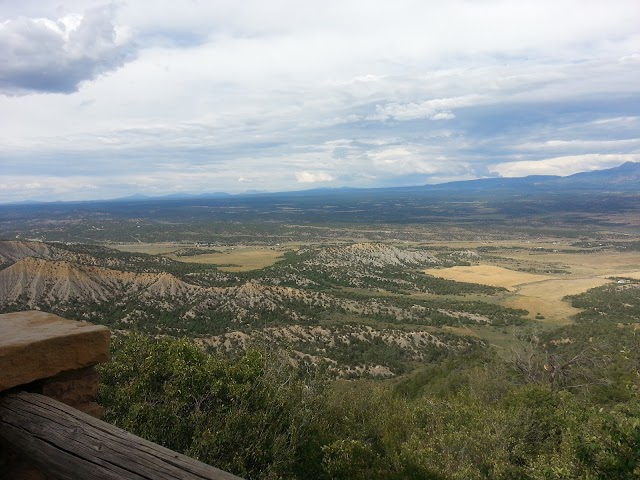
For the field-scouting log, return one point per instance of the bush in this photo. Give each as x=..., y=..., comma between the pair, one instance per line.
x=252, y=416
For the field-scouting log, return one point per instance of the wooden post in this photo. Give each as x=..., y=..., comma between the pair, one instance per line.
x=67, y=444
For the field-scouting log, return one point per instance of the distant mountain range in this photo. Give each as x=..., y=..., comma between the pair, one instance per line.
x=625, y=178
x=172, y=196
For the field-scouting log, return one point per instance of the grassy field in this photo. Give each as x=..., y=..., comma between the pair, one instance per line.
x=148, y=248
x=581, y=263
x=504, y=340
x=237, y=258
x=487, y=275
x=542, y=295
x=232, y=258
x=545, y=298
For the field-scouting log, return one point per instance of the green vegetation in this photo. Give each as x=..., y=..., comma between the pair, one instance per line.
x=259, y=418
x=367, y=367
x=617, y=302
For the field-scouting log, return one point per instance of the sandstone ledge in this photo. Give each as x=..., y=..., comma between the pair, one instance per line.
x=37, y=345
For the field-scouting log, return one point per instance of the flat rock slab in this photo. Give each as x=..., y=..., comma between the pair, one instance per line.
x=36, y=345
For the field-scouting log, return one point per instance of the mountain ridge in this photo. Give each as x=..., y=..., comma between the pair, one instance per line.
x=623, y=178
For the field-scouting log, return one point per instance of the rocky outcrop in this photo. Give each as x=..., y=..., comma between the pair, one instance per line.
x=375, y=255
x=35, y=280
x=12, y=250
x=249, y=298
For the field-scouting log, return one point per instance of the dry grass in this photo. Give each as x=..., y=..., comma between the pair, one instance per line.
x=583, y=264
x=630, y=275
x=150, y=248
x=487, y=275
x=243, y=259
x=246, y=258
x=545, y=298
x=538, y=294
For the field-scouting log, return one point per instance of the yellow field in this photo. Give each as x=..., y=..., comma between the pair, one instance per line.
x=581, y=264
x=545, y=297
x=246, y=258
x=487, y=275
x=543, y=294
x=538, y=294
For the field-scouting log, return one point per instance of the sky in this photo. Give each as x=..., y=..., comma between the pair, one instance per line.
x=104, y=100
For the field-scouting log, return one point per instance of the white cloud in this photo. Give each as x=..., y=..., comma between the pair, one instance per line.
x=580, y=145
x=241, y=90
x=435, y=109
x=562, y=166
x=314, y=177
x=446, y=115
x=406, y=160
x=46, y=188
x=45, y=55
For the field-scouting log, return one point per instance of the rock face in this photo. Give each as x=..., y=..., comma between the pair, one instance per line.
x=39, y=280
x=376, y=255
x=11, y=251
x=38, y=345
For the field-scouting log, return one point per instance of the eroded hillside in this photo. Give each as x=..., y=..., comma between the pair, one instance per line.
x=306, y=302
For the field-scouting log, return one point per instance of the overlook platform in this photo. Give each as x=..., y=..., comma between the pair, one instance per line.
x=49, y=418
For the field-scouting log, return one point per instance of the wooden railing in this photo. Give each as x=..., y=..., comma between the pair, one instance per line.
x=48, y=388
x=64, y=443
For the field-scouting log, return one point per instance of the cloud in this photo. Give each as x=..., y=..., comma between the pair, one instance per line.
x=221, y=93
x=46, y=188
x=406, y=160
x=563, y=166
x=435, y=109
x=45, y=55
x=314, y=177
x=581, y=145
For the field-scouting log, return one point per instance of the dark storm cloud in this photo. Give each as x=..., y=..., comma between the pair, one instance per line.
x=55, y=56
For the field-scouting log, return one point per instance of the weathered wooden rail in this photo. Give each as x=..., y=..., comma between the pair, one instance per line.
x=65, y=443
x=48, y=388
